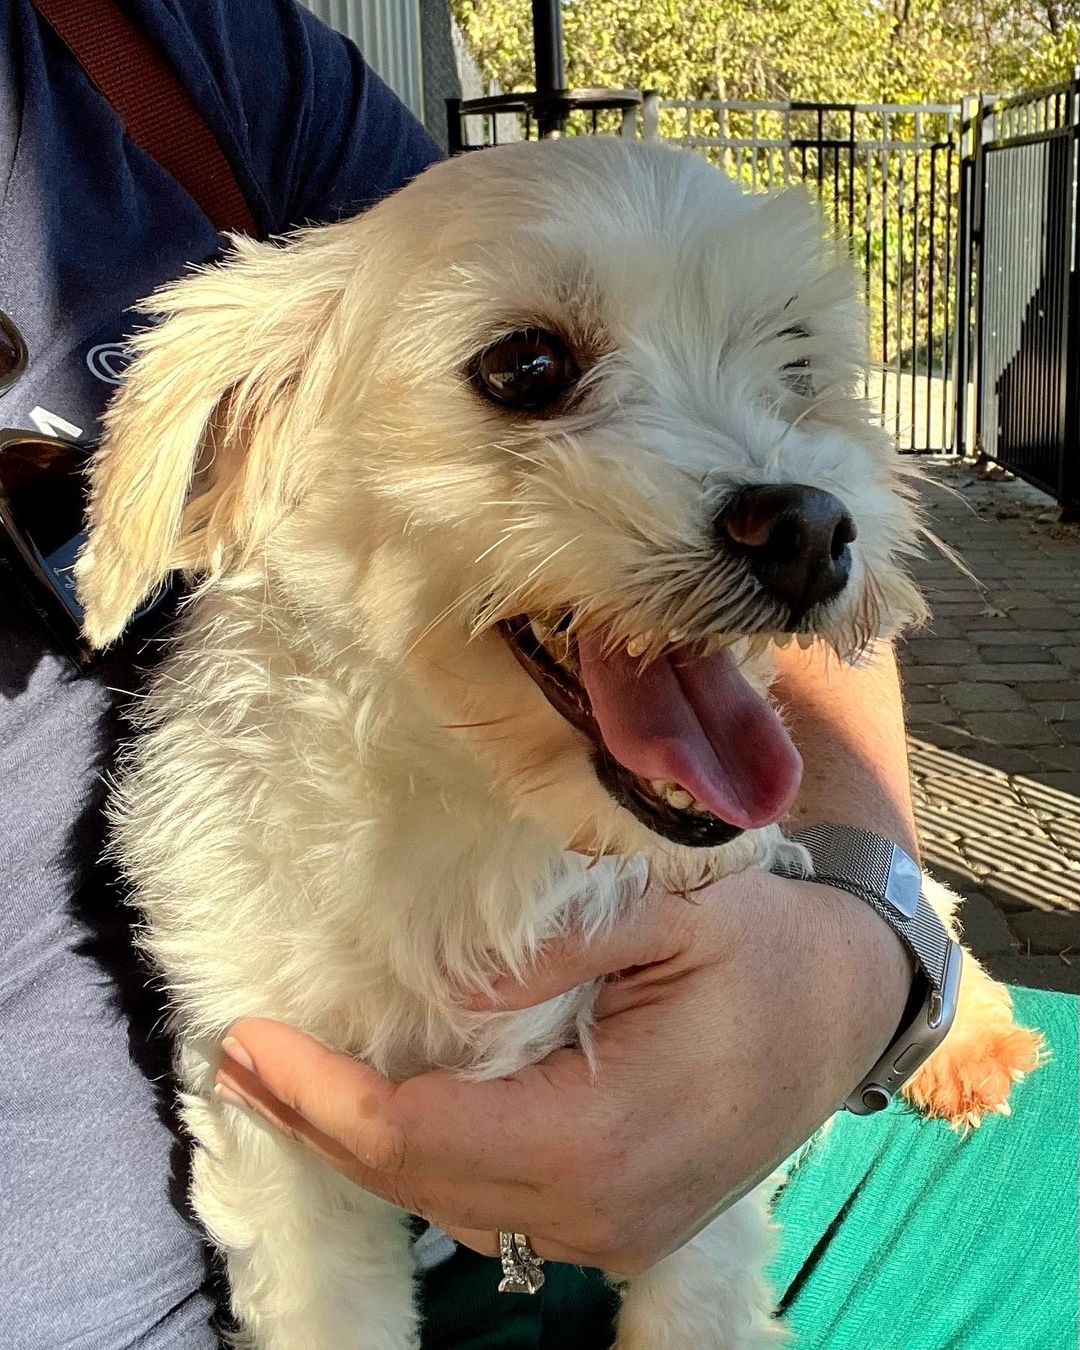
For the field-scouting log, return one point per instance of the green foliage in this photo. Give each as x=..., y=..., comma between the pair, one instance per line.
x=850, y=50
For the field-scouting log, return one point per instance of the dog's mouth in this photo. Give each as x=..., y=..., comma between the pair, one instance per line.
x=681, y=740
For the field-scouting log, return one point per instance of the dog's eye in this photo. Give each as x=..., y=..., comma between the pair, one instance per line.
x=797, y=373
x=531, y=370
x=799, y=378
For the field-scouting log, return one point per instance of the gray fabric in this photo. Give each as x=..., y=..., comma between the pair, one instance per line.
x=95, y=1253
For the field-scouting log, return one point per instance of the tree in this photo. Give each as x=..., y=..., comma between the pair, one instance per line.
x=850, y=50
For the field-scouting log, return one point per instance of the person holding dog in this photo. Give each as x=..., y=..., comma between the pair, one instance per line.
x=613, y=1170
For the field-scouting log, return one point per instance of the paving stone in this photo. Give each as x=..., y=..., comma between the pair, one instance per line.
x=1065, y=758
x=1013, y=637
x=1010, y=598
x=921, y=713
x=1062, y=788
x=1008, y=758
x=1057, y=619
x=982, y=623
x=1053, y=689
x=1047, y=932
x=1000, y=656
x=1068, y=656
x=1020, y=851
x=1023, y=672
x=1035, y=972
x=1060, y=711
x=944, y=737
x=999, y=809
x=1011, y=728
x=984, y=698
x=985, y=931
x=916, y=674
x=941, y=651
x=938, y=825
x=944, y=628
x=952, y=609
x=1066, y=836
x=1015, y=890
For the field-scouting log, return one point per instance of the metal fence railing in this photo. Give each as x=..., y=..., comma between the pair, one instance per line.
x=1019, y=288
x=478, y=122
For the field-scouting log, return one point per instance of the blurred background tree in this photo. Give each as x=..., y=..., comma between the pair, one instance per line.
x=891, y=51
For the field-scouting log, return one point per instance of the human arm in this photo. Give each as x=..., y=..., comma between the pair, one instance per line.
x=747, y=1019
x=312, y=132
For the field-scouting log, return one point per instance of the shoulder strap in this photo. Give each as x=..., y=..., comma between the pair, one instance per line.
x=158, y=114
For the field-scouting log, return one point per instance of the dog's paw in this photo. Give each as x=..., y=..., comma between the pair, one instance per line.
x=973, y=1073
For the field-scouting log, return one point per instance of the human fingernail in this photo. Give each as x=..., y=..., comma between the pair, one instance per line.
x=236, y=1051
x=226, y=1093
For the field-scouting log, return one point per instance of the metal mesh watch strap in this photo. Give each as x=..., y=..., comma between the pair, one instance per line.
x=880, y=873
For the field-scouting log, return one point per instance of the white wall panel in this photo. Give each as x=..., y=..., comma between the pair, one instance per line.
x=388, y=33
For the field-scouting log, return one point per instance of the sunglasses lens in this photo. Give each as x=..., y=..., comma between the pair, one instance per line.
x=42, y=508
x=12, y=353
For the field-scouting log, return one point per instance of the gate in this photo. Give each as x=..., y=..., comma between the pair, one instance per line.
x=1019, y=286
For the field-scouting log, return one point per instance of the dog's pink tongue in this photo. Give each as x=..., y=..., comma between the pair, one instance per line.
x=697, y=721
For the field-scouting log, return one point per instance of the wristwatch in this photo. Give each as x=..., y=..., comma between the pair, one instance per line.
x=879, y=872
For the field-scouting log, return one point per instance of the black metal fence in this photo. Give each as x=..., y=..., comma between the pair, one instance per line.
x=1018, y=287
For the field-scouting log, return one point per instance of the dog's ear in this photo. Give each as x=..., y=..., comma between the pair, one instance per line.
x=204, y=446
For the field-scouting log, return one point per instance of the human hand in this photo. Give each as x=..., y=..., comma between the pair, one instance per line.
x=732, y=1029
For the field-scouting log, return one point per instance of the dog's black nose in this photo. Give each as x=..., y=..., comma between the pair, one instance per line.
x=794, y=540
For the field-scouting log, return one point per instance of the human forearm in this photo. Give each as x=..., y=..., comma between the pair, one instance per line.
x=848, y=724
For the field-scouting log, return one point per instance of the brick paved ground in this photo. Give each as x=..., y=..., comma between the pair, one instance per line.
x=993, y=692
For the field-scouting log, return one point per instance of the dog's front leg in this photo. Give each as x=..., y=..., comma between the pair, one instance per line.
x=314, y=1262
x=710, y=1294
x=972, y=1072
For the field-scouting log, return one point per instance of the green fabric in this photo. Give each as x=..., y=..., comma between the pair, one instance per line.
x=900, y=1235
x=897, y=1235
x=465, y=1311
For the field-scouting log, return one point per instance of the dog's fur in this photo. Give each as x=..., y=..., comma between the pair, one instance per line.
x=348, y=801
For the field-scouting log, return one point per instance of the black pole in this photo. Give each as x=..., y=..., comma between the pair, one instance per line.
x=550, y=68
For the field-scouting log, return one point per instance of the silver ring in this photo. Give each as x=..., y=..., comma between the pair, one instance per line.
x=523, y=1270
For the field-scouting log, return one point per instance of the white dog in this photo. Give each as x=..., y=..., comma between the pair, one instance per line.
x=498, y=494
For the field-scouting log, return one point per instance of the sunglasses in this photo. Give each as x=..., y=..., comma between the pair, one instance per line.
x=43, y=496
x=12, y=353
x=42, y=512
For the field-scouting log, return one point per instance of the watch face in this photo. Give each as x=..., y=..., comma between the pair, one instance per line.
x=904, y=883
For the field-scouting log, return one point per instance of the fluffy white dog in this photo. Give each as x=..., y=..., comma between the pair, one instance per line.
x=498, y=495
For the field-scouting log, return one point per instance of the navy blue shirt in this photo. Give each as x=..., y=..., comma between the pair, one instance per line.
x=95, y=1251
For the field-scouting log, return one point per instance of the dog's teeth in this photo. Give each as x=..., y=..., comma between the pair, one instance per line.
x=661, y=785
x=538, y=633
x=677, y=635
x=680, y=799
x=638, y=645
x=805, y=640
x=783, y=639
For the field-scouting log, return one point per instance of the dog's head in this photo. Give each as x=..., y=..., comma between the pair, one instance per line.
x=565, y=435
